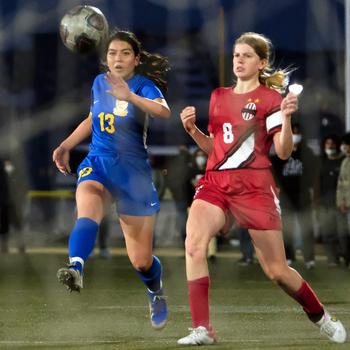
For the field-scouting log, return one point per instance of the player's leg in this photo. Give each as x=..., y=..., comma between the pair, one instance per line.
x=92, y=200
x=138, y=233
x=270, y=253
x=204, y=221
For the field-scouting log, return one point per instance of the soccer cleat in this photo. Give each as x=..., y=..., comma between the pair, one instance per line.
x=332, y=328
x=198, y=336
x=157, y=308
x=71, y=278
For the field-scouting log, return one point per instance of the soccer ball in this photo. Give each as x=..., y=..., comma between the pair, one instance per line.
x=84, y=29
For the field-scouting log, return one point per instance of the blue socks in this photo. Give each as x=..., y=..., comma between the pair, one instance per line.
x=82, y=241
x=152, y=277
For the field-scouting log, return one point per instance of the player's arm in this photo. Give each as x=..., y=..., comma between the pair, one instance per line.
x=283, y=140
x=157, y=107
x=82, y=131
x=120, y=90
x=188, y=118
x=61, y=154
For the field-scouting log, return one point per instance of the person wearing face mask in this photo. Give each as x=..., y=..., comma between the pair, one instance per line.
x=296, y=179
x=201, y=161
x=343, y=197
x=199, y=165
x=331, y=221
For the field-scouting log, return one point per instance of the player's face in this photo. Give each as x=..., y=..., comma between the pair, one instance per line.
x=246, y=62
x=330, y=144
x=345, y=149
x=121, y=59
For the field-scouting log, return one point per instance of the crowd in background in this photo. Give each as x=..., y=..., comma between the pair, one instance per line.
x=314, y=198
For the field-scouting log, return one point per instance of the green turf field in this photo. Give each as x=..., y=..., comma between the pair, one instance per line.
x=248, y=311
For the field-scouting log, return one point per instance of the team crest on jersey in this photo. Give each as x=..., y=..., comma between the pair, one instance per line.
x=121, y=108
x=249, y=111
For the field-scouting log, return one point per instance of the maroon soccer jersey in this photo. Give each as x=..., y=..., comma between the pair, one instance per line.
x=243, y=126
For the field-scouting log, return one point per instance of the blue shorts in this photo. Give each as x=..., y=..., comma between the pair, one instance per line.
x=128, y=179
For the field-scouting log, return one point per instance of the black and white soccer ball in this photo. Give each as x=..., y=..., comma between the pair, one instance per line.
x=84, y=29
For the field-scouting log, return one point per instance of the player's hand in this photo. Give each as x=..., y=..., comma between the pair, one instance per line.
x=289, y=104
x=61, y=158
x=188, y=118
x=119, y=87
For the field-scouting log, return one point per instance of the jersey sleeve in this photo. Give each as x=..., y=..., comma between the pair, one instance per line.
x=92, y=94
x=211, y=110
x=274, y=115
x=91, y=99
x=150, y=90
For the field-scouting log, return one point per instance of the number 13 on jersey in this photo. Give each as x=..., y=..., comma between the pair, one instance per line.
x=109, y=118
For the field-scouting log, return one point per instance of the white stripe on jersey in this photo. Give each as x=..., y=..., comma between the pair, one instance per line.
x=276, y=200
x=273, y=120
x=241, y=155
x=145, y=130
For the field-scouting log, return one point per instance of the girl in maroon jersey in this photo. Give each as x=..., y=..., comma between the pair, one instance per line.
x=244, y=121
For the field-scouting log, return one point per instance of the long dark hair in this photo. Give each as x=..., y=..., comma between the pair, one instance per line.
x=153, y=66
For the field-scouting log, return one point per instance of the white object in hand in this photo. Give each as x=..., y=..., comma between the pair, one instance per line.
x=295, y=89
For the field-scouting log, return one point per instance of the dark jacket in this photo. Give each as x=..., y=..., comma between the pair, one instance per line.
x=296, y=177
x=329, y=173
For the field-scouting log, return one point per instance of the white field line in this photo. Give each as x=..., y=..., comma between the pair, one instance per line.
x=229, y=309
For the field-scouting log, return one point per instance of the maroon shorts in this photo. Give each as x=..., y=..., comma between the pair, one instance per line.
x=249, y=194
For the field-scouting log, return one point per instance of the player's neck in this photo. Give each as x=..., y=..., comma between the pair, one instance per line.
x=242, y=87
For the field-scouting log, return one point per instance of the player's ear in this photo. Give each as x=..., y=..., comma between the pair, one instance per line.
x=137, y=60
x=263, y=64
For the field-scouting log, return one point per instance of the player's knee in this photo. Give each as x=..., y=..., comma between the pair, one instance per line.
x=194, y=247
x=140, y=263
x=275, y=274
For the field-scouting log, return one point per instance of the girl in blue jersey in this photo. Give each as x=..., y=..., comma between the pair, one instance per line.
x=117, y=168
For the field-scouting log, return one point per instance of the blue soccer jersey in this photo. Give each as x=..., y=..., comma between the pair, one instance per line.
x=117, y=126
x=118, y=155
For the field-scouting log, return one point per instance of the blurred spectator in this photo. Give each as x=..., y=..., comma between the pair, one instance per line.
x=330, y=118
x=343, y=197
x=245, y=246
x=296, y=179
x=199, y=165
x=178, y=175
x=12, y=201
x=331, y=221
